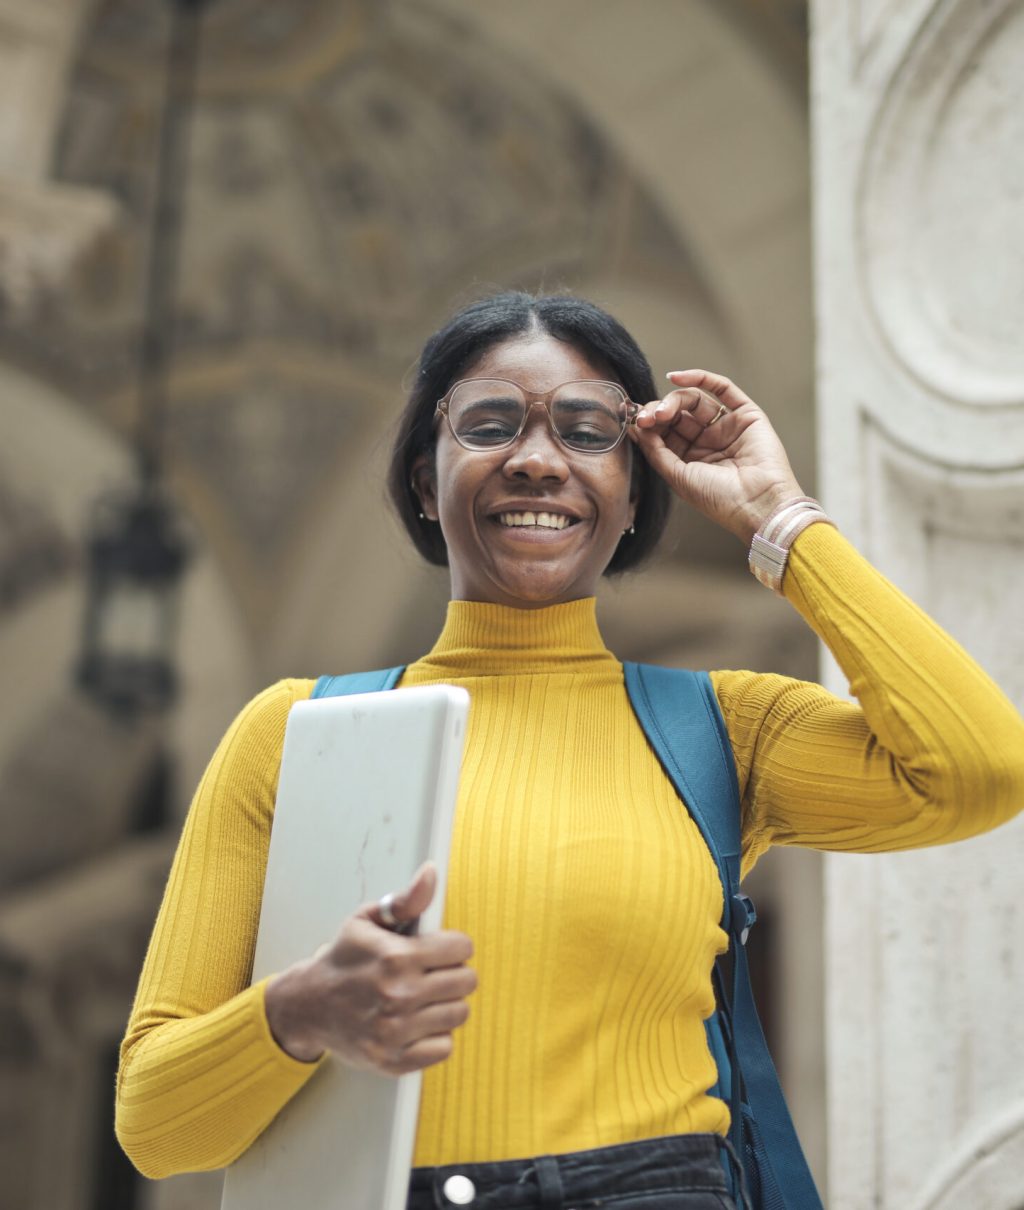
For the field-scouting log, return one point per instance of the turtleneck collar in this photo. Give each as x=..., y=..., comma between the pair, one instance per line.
x=481, y=639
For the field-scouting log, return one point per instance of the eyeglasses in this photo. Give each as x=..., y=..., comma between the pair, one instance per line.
x=588, y=417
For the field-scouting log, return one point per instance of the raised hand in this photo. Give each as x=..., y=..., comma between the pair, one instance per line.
x=377, y=998
x=717, y=450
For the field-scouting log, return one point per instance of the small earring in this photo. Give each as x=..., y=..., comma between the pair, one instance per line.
x=630, y=531
x=423, y=515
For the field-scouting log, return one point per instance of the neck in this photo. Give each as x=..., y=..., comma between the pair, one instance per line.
x=480, y=638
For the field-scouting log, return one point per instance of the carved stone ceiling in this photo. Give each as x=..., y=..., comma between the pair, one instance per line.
x=354, y=167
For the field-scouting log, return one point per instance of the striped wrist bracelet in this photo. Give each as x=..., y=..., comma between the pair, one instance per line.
x=769, y=550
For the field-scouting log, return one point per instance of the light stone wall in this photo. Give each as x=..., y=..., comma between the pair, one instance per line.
x=918, y=118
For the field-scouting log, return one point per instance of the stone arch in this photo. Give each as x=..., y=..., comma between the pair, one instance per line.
x=712, y=198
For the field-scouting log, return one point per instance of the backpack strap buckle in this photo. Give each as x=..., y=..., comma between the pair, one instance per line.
x=742, y=917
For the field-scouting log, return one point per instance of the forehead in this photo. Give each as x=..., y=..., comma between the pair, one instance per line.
x=537, y=362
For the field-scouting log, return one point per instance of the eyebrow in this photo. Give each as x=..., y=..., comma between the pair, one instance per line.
x=504, y=403
x=585, y=405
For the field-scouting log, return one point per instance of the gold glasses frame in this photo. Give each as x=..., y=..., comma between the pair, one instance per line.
x=539, y=399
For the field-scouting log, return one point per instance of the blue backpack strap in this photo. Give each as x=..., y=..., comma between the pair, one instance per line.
x=358, y=682
x=681, y=718
x=679, y=713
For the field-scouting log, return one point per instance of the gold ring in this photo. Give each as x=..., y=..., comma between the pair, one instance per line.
x=722, y=409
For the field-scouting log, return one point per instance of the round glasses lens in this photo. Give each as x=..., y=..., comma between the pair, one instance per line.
x=589, y=416
x=486, y=413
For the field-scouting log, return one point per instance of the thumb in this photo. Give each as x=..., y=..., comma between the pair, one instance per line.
x=665, y=462
x=412, y=901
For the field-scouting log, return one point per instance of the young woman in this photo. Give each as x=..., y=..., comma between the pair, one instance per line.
x=583, y=907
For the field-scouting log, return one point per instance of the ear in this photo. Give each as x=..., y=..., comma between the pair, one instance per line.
x=424, y=484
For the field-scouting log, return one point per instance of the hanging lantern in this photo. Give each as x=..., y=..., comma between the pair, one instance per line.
x=137, y=552
x=136, y=548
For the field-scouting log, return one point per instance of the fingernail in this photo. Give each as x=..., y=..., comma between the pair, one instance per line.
x=672, y=373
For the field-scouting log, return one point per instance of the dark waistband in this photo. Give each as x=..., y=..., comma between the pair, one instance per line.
x=685, y=1161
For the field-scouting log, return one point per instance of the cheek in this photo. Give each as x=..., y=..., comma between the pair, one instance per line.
x=446, y=480
x=458, y=483
x=621, y=492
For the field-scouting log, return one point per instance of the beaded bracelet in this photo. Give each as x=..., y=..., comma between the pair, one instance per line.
x=769, y=550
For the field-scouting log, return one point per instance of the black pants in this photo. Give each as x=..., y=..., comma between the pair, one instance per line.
x=681, y=1172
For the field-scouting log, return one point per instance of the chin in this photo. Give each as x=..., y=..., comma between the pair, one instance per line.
x=537, y=596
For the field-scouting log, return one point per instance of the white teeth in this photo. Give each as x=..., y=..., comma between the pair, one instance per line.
x=545, y=520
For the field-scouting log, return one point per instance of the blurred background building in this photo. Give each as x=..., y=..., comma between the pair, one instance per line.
x=355, y=170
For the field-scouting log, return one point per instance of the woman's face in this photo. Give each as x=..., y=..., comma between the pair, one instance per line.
x=478, y=497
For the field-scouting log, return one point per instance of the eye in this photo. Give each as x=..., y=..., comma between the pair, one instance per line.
x=584, y=436
x=588, y=424
x=484, y=422
x=487, y=431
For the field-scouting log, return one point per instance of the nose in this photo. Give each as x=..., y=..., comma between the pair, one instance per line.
x=537, y=454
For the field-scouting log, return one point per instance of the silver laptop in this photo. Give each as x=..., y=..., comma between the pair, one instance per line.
x=366, y=794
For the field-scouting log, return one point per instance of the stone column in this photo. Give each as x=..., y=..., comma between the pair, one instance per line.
x=918, y=114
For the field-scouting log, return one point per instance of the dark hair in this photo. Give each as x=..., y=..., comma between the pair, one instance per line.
x=466, y=337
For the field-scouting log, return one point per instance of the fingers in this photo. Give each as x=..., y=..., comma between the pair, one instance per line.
x=424, y=1053
x=397, y=1032
x=411, y=1023
x=724, y=389
x=361, y=939
x=686, y=413
x=407, y=995
x=408, y=904
x=422, y=970
x=414, y=1019
x=374, y=994
x=442, y=949
x=397, y=1044
x=375, y=997
x=695, y=405
x=455, y=984
x=401, y=973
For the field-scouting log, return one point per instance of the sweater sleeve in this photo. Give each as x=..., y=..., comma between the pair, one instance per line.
x=200, y=1074
x=931, y=752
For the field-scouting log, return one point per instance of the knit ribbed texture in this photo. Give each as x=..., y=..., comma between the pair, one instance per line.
x=934, y=752
x=591, y=899
x=200, y=1074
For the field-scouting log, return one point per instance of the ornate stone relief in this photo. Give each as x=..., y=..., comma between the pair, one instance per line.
x=43, y=232
x=871, y=25
x=34, y=551
x=929, y=516
x=941, y=196
x=924, y=942
x=262, y=434
x=921, y=377
x=354, y=166
x=985, y=1170
x=44, y=226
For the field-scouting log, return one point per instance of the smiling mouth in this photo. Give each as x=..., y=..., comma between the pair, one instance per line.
x=535, y=520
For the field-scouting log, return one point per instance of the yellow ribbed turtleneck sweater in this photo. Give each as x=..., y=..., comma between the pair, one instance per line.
x=591, y=899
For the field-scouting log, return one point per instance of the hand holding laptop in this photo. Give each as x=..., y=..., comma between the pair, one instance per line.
x=380, y=1000
x=366, y=796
